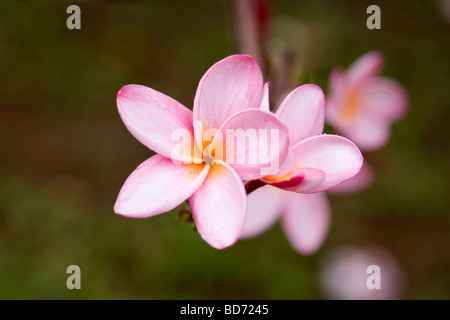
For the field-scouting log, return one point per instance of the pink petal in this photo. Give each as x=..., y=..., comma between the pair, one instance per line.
x=265, y=103
x=152, y=118
x=362, y=180
x=219, y=206
x=367, y=132
x=384, y=98
x=265, y=132
x=287, y=165
x=336, y=95
x=303, y=112
x=298, y=180
x=337, y=81
x=157, y=186
x=306, y=221
x=364, y=68
x=336, y=156
x=229, y=86
x=264, y=208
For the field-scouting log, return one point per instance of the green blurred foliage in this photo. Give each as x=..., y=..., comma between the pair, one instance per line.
x=65, y=152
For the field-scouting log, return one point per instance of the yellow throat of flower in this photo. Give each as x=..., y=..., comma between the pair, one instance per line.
x=351, y=104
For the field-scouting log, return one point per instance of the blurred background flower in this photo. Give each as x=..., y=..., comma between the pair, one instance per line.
x=65, y=152
x=361, y=104
x=351, y=273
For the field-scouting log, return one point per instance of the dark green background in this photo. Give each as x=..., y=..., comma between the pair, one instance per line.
x=65, y=153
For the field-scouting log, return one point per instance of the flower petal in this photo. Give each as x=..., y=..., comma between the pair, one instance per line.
x=306, y=221
x=153, y=117
x=219, y=206
x=229, y=86
x=364, y=68
x=287, y=165
x=367, y=132
x=265, y=205
x=336, y=156
x=384, y=98
x=298, y=180
x=157, y=186
x=336, y=95
x=255, y=143
x=337, y=81
x=362, y=180
x=303, y=112
x=265, y=103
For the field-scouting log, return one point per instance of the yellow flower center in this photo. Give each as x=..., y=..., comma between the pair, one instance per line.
x=286, y=177
x=351, y=103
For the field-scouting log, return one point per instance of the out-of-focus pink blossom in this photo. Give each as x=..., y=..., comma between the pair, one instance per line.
x=443, y=6
x=354, y=273
x=228, y=97
x=362, y=105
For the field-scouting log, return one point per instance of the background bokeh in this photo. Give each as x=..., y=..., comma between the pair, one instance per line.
x=65, y=153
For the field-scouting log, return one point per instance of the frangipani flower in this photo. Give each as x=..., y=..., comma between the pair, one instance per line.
x=228, y=97
x=348, y=273
x=317, y=162
x=362, y=105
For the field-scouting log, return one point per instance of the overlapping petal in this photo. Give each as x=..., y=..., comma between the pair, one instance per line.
x=255, y=143
x=219, y=206
x=287, y=165
x=306, y=221
x=158, y=185
x=300, y=180
x=265, y=102
x=303, y=112
x=336, y=156
x=265, y=206
x=229, y=86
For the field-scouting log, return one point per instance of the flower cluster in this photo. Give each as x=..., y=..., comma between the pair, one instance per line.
x=229, y=140
x=361, y=105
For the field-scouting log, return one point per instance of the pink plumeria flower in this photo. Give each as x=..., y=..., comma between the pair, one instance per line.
x=228, y=97
x=349, y=273
x=362, y=104
x=316, y=163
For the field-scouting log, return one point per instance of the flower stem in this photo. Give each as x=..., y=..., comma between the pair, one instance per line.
x=246, y=29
